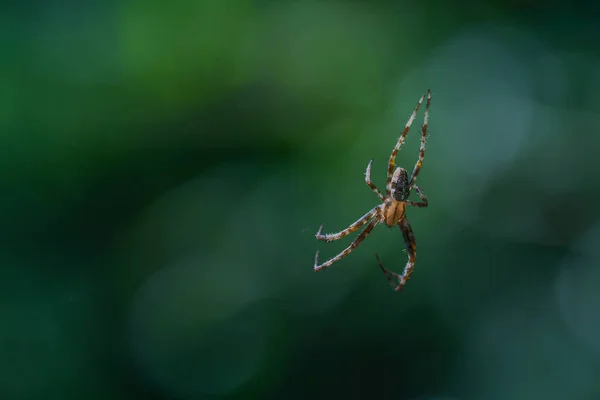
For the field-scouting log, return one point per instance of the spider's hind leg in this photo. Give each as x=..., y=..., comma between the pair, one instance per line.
x=371, y=184
x=417, y=168
x=422, y=203
x=392, y=160
x=397, y=281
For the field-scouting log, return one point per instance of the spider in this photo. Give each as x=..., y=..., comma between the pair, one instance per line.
x=392, y=209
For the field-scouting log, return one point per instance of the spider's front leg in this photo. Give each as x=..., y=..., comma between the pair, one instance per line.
x=422, y=203
x=411, y=249
x=330, y=237
x=348, y=249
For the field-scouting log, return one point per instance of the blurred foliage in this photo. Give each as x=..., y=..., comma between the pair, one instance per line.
x=166, y=166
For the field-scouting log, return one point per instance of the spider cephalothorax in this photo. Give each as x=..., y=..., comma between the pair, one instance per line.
x=392, y=209
x=400, y=186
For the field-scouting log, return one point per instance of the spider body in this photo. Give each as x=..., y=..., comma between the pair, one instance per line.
x=392, y=210
x=400, y=186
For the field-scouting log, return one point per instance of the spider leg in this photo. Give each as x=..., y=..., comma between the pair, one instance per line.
x=392, y=161
x=371, y=184
x=330, y=237
x=422, y=203
x=348, y=249
x=411, y=249
x=417, y=168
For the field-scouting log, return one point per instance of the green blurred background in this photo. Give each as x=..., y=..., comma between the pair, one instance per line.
x=165, y=167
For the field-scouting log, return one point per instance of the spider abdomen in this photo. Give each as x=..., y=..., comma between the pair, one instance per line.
x=393, y=212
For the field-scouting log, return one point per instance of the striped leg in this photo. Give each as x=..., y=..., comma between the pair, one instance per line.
x=417, y=168
x=348, y=249
x=330, y=237
x=392, y=162
x=411, y=249
x=422, y=203
x=371, y=184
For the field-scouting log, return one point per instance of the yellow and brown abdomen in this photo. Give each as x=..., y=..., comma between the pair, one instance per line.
x=393, y=212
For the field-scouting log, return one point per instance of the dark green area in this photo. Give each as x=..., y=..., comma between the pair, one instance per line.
x=165, y=167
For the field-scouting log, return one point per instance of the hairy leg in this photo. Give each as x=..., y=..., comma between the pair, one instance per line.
x=399, y=280
x=371, y=184
x=422, y=203
x=330, y=237
x=348, y=249
x=417, y=168
x=392, y=161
